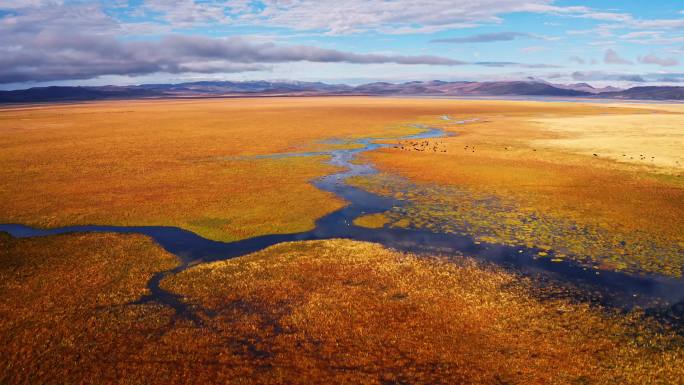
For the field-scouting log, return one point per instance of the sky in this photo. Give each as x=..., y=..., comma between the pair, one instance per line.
x=121, y=42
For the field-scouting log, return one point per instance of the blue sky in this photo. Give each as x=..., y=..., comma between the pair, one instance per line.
x=84, y=42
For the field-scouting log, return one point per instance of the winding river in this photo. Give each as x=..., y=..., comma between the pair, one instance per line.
x=661, y=295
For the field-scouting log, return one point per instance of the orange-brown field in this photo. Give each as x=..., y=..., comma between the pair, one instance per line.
x=318, y=312
x=558, y=163
x=179, y=163
x=536, y=174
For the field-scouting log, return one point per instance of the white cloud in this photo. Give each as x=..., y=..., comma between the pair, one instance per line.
x=76, y=56
x=661, y=61
x=602, y=43
x=19, y=4
x=612, y=57
x=485, y=38
x=533, y=49
x=50, y=39
x=626, y=77
x=187, y=12
x=352, y=16
x=398, y=16
x=577, y=60
x=667, y=39
x=658, y=24
x=640, y=34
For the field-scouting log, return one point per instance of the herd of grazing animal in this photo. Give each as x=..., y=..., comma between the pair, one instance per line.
x=423, y=145
x=440, y=147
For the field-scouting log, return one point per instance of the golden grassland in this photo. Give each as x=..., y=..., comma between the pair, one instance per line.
x=63, y=312
x=334, y=311
x=188, y=163
x=654, y=141
x=182, y=163
x=530, y=176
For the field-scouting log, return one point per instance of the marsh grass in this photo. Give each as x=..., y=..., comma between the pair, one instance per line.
x=64, y=316
x=331, y=312
x=174, y=163
x=515, y=178
x=502, y=220
x=341, y=311
x=181, y=163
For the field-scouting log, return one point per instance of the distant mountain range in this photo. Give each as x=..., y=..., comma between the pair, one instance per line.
x=531, y=88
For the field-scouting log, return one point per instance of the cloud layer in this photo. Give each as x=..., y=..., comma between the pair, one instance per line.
x=612, y=57
x=397, y=16
x=585, y=76
x=55, y=40
x=80, y=41
x=661, y=61
x=53, y=57
x=484, y=38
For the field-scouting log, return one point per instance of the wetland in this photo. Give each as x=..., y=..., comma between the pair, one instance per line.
x=471, y=229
